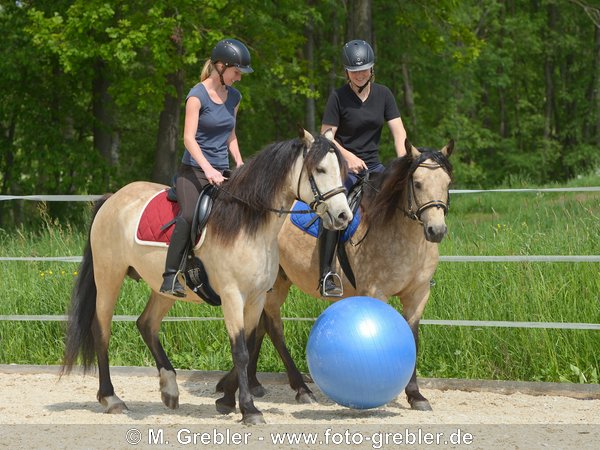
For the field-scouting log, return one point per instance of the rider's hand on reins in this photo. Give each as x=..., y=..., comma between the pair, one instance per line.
x=214, y=177
x=355, y=164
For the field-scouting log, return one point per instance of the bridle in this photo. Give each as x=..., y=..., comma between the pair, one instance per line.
x=318, y=204
x=415, y=211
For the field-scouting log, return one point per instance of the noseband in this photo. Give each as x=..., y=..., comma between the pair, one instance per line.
x=415, y=211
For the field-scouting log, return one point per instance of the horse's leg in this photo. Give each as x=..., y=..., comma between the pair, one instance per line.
x=254, y=346
x=412, y=307
x=279, y=291
x=274, y=328
x=149, y=326
x=256, y=387
x=271, y=323
x=108, y=283
x=230, y=377
x=241, y=321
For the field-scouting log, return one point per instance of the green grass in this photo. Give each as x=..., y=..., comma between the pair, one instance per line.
x=479, y=224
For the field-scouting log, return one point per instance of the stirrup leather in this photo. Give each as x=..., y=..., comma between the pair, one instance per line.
x=338, y=291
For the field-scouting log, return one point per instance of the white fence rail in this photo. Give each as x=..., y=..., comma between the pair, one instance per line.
x=456, y=323
x=90, y=198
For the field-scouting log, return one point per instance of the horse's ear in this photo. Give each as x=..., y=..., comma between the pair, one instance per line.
x=447, y=150
x=329, y=134
x=411, y=151
x=306, y=137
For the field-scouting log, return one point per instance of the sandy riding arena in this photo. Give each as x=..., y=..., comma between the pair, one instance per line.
x=37, y=410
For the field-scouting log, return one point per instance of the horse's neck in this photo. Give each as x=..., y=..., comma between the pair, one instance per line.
x=395, y=235
x=283, y=202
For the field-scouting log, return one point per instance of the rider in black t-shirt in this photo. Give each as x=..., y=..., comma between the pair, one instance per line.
x=356, y=113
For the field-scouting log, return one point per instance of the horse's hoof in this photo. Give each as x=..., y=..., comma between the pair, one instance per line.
x=420, y=405
x=253, y=419
x=113, y=405
x=258, y=391
x=223, y=407
x=170, y=401
x=117, y=409
x=169, y=392
x=306, y=398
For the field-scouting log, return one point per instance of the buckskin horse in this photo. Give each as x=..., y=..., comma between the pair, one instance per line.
x=394, y=252
x=239, y=251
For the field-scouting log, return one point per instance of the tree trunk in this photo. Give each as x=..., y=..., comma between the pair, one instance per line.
x=503, y=95
x=359, y=22
x=310, y=110
x=7, y=178
x=409, y=99
x=167, y=140
x=502, y=113
x=596, y=96
x=549, y=79
x=335, y=62
x=105, y=139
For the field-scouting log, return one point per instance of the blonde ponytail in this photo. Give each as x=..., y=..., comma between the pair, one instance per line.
x=206, y=70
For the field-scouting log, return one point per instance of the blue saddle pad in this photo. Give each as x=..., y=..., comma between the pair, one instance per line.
x=303, y=221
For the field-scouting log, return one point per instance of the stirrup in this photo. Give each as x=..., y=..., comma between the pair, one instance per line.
x=166, y=289
x=337, y=290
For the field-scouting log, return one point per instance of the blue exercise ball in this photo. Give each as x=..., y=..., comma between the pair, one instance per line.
x=361, y=352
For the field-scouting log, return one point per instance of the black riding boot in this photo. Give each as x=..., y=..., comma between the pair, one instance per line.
x=330, y=283
x=177, y=247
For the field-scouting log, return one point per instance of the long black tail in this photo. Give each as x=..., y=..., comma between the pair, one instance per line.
x=79, y=338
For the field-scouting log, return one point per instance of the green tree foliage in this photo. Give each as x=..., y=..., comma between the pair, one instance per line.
x=516, y=83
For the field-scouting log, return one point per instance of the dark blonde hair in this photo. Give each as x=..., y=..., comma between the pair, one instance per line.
x=207, y=70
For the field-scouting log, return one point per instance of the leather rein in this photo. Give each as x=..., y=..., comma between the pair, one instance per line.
x=317, y=205
x=412, y=212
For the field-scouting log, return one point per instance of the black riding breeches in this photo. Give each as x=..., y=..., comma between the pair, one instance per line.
x=189, y=184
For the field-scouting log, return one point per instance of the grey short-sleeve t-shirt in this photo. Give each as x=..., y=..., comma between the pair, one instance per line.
x=215, y=123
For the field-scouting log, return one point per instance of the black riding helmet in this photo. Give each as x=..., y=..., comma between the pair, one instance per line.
x=232, y=53
x=357, y=55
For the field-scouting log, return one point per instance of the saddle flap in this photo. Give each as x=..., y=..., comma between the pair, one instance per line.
x=202, y=211
x=196, y=279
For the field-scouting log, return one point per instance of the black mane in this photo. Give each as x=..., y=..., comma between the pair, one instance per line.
x=386, y=190
x=244, y=201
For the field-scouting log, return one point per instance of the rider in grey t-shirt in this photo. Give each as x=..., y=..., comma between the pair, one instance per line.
x=215, y=122
x=209, y=137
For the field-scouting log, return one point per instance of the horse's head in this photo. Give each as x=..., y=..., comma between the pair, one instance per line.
x=428, y=186
x=321, y=181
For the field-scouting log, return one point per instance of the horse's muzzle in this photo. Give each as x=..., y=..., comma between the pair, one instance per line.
x=435, y=233
x=337, y=223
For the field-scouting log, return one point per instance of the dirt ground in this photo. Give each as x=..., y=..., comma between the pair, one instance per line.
x=39, y=410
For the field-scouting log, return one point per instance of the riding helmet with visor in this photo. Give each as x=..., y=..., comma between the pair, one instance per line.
x=357, y=55
x=232, y=53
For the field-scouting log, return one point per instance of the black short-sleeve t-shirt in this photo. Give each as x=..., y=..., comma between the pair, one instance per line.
x=358, y=123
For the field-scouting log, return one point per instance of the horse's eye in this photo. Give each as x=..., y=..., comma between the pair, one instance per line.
x=320, y=170
x=418, y=185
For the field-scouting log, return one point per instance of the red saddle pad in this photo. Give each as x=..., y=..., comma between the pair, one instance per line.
x=158, y=212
